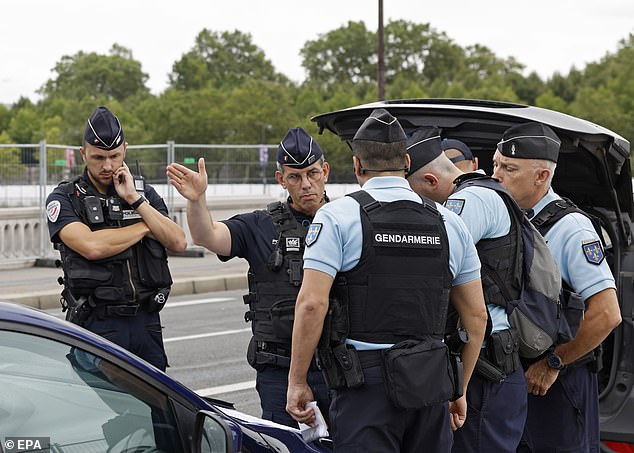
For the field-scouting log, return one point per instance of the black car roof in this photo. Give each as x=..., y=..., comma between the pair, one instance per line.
x=593, y=166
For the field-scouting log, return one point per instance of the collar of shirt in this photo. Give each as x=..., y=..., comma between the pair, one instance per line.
x=387, y=182
x=541, y=204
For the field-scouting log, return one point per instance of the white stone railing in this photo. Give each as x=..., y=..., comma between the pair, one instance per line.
x=22, y=240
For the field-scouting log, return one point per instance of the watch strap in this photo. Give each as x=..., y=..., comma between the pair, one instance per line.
x=138, y=203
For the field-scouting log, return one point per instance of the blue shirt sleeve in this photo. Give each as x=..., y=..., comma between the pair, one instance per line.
x=339, y=224
x=566, y=241
x=253, y=236
x=484, y=212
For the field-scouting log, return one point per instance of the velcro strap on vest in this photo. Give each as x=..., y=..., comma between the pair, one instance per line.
x=259, y=315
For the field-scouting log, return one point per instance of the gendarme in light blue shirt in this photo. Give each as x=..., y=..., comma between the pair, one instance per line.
x=566, y=240
x=340, y=240
x=486, y=217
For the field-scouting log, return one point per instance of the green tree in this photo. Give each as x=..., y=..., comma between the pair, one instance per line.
x=342, y=56
x=222, y=59
x=115, y=76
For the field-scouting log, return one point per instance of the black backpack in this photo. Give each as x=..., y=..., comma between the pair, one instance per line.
x=536, y=314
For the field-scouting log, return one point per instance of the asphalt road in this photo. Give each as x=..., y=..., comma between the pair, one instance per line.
x=205, y=339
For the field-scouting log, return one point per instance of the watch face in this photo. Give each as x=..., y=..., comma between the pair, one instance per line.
x=554, y=361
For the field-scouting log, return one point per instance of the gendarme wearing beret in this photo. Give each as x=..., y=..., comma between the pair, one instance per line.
x=103, y=130
x=530, y=141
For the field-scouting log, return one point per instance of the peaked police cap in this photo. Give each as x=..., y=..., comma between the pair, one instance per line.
x=103, y=130
x=423, y=146
x=382, y=127
x=298, y=149
x=530, y=141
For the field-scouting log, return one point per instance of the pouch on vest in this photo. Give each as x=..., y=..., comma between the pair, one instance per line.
x=502, y=349
x=282, y=316
x=418, y=373
x=152, y=262
x=83, y=276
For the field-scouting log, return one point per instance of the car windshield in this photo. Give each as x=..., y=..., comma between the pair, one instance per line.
x=77, y=400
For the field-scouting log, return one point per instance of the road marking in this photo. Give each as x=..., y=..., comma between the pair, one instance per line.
x=205, y=335
x=210, y=391
x=211, y=300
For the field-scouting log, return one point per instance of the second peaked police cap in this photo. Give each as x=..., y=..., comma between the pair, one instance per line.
x=530, y=141
x=423, y=147
x=103, y=130
x=382, y=127
x=298, y=149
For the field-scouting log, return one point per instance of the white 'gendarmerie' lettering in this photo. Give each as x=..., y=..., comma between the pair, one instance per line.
x=395, y=238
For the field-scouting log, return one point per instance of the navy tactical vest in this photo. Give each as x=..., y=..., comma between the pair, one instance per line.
x=399, y=290
x=132, y=276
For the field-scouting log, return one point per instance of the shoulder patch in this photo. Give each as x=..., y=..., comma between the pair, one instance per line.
x=52, y=210
x=593, y=252
x=313, y=233
x=455, y=205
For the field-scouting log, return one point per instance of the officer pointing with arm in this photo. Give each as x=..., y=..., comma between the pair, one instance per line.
x=563, y=406
x=112, y=241
x=392, y=259
x=272, y=241
x=497, y=421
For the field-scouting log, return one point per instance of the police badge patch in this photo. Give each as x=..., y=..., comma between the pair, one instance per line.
x=293, y=244
x=52, y=210
x=455, y=205
x=593, y=252
x=313, y=233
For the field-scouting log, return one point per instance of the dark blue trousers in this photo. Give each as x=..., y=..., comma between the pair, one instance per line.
x=566, y=419
x=272, y=384
x=364, y=420
x=140, y=334
x=496, y=415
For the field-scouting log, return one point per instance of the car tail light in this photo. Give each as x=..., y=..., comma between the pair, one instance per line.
x=620, y=447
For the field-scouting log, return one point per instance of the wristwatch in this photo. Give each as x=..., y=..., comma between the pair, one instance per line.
x=554, y=361
x=137, y=203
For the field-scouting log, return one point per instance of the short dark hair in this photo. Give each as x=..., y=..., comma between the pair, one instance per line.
x=379, y=155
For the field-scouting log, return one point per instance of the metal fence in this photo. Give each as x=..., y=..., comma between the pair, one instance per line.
x=29, y=171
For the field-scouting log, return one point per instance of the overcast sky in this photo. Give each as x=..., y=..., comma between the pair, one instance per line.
x=544, y=35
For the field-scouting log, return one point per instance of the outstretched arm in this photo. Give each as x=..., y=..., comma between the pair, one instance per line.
x=215, y=236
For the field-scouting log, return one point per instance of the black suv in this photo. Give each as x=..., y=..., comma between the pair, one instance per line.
x=593, y=170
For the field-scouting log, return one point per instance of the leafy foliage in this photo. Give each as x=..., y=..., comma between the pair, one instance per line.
x=225, y=89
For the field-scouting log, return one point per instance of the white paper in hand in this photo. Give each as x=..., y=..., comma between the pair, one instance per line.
x=320, y=430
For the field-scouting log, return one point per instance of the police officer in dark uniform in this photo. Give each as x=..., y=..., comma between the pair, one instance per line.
x=393, y=261
x=497, y=391
x=563, y=404
x=272, y=241
x=112, y=231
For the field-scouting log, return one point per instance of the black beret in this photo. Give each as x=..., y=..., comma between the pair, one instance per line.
x=423, y=146
x=450, y=143
x=382, y=127
x=298, y=149
x=530, y=141
x=103, y=130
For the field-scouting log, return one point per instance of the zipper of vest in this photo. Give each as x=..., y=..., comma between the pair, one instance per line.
x=127, y=263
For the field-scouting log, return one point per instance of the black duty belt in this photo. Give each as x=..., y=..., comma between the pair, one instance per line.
x=117, y=311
